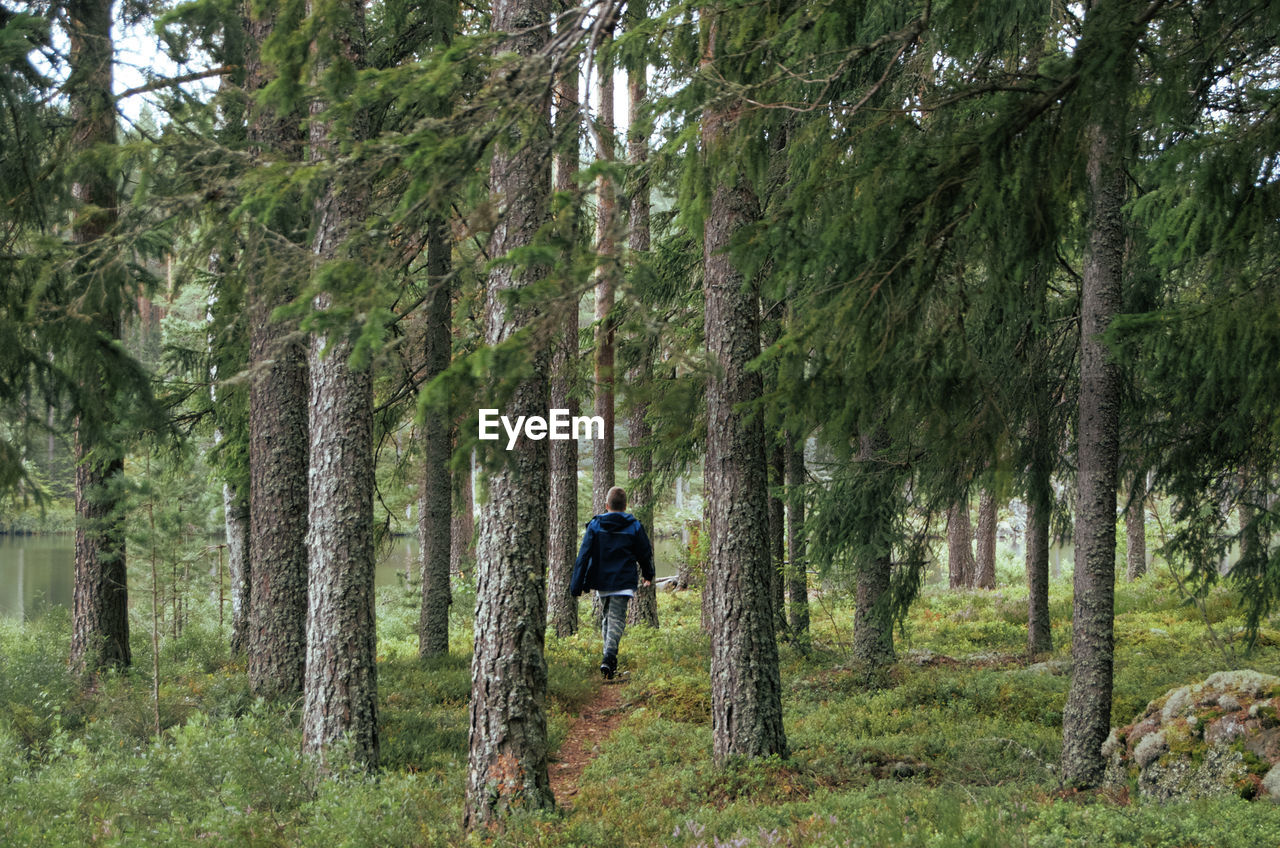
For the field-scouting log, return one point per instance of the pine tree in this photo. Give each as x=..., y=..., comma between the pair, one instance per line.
x=100, y=623
x=278, y=395
x=1086, y=718
x=507, y=762
x=562, y=608
x=746, y=697
x=340, y=697
x=436, y=495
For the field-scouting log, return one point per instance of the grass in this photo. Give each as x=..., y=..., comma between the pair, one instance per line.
x=960, y=748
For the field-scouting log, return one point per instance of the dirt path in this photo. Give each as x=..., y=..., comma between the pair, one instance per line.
x=598, y=719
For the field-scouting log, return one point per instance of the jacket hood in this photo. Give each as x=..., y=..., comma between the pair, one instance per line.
x=614, y=521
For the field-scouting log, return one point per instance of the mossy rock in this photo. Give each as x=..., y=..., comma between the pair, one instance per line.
x=1216, y=738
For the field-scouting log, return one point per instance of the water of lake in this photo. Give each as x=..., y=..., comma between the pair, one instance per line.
x=38, y=571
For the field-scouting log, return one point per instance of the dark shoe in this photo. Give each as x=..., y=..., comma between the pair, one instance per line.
x=606, y=671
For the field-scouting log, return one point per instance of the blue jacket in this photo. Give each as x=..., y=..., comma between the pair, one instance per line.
x=612, y=546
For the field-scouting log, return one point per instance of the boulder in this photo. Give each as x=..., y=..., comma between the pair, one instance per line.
x=1214, y=738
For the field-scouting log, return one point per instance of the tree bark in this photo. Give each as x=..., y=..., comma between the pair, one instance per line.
x=873, y=611
x=236, y=521
x=797, y=561
x=778, y=536
x=602, y=478
x=462, y=532
x=507, y=763
x=1086, y=718
x=436, y=496
x=100, y=623
x=564, y=531
x=640, y=462
x=341, y=688
x=960, y=565
x=278, y=410
x=1135, y=529
x=746, y=696
x=985, y=575
x=1039, y=509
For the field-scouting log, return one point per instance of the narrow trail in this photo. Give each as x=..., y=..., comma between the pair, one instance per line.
x=593, y=725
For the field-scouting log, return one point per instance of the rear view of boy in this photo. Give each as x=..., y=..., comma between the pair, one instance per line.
x=615, y=542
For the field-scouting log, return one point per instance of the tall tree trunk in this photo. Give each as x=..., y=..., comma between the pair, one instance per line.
x=507, y=763
x=777, y=535
x=640, y=462
x=746, y=690
x=564, y=533
x=960, y=565
x=1086, y=718
x=278, y=410
x=1039, y=509
x=100, y=624
x=644, y=610
x=1135, y=528
x=236, y=520
x=341, y=689
x=436, y=497
x=462, y=532
x=873, y=611
x=602, y=479
x=985, y=575
x=797, y=574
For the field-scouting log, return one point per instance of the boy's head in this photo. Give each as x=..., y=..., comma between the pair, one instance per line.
x=616, y=500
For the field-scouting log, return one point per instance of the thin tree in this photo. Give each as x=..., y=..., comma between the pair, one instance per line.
x=562, y=608
x=1135, y=528
x=341, y=686
x=602, y=463
x=960, y=565
x=797, y=570
x=1039, y=509
x=100, y=622
x=984, y=576
x=1086, y=717
x=507, y=749
x=435, y=497
x=640, y=459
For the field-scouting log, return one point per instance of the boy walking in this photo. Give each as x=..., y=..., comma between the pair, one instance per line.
x=615, y=542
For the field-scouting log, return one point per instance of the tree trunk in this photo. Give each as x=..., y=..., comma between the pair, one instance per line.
x=873, y=611
x=507, y=763
x=985, y=575
x=960, y=565
x=562, y=608
x=644, y=610
x=436, y=497
x=462, y=532
x=341, y=689
x=797, y=574
x=278, y=399
x=1086, y=718
x=746, y=696
x=1039, y=509
x=236, y=521
x=1135, y=529
x=100, y=624
x=602, y=479
x=777, y=536
x=640, y=463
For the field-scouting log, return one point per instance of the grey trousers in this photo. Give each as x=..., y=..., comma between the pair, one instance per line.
x=613, y=623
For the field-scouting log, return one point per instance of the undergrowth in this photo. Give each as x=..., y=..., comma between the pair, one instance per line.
x=960, y=747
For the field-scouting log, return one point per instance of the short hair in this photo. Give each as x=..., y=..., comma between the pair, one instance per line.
x=616, y=500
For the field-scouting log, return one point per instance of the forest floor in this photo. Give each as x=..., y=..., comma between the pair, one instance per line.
x=956, y=746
